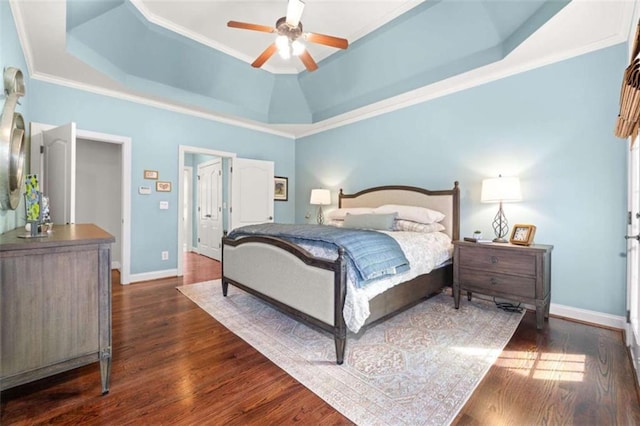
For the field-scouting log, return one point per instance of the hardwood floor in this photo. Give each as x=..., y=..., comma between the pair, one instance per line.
x=174, y=364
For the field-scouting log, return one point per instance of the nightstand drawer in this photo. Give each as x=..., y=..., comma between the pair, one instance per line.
x=496, y=283
x=497, y=261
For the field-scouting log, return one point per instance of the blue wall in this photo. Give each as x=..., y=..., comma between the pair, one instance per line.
x=552, y=127
x=156, y=135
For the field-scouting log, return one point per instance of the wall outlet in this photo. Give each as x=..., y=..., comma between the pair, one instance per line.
x=165, y=255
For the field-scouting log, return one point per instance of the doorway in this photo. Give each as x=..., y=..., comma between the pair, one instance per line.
x=184, y=157
x=123, y=216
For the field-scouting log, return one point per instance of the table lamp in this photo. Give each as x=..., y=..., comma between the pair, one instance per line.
x=320, y=197
x=499, y=190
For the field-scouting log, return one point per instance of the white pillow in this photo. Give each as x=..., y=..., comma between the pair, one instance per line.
x=408, y=225
x=339, y=214
x=412, y=213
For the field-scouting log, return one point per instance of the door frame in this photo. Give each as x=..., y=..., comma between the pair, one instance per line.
x=125, y=238
x=182, y=150
x=632, y=339
x=189, y=173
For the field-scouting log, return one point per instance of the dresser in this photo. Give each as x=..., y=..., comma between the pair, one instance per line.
x=55, y=303
x=505, y=271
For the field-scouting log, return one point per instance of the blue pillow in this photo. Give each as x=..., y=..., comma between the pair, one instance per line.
x=382, y=222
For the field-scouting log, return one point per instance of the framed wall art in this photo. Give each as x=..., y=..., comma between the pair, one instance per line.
x=151, y=174
x=162, y=186
x=281, y=188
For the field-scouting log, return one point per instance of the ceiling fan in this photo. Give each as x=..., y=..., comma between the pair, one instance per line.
x=287, y=44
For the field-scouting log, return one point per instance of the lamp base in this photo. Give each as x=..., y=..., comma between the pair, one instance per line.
x=320, y=217
x=500, y=226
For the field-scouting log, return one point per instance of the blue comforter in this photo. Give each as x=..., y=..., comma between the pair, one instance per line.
x=373, y=254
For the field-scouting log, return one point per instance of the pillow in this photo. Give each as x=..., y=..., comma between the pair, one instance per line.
x=382, y=222
x=412, y=213
x=407, y=225
x=339, y=214
x=334, y=222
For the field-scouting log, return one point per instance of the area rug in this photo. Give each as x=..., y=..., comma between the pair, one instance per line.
x=417, y=368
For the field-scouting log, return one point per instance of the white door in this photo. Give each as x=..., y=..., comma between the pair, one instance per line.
x=633, y=257
x=251, y=192
x=210, y=208
x=59, y=172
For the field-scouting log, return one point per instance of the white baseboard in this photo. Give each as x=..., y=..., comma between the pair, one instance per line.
x=154, y=275
x=571, y=313
x=593, y=317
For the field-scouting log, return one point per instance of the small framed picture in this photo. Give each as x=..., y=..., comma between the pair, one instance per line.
x=163, y=186
x=522, y=234
x=151, y=174
x=281, y=188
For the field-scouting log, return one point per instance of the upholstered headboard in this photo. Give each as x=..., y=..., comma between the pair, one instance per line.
x=446, y=201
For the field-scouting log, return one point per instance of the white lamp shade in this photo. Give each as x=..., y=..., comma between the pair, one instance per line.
x=499, y=189
x=321, y=197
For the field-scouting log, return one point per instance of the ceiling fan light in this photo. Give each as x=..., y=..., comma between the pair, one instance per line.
x=282, y=42
x=294, y=12
x=297, y=48
x=284, y=54
x=284, y=49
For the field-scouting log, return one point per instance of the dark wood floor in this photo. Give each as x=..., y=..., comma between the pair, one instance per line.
x=174, y=364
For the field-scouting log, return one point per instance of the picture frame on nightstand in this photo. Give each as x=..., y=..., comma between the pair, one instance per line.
x=522, y=234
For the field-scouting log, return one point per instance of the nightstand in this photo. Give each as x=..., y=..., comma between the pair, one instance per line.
x=507, y=271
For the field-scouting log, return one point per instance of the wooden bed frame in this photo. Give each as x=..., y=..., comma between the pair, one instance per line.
x=312, y=289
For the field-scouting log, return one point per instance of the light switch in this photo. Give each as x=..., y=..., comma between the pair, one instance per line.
x=164, y=205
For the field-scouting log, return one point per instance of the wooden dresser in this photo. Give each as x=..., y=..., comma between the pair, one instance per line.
x=505, y=271
x=55, y=303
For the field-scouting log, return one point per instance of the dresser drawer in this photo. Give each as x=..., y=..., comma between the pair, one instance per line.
x=497, y=261
x=496, y=283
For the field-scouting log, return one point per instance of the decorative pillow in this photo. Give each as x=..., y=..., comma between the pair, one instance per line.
x=382, y=222
x=339, y=214
x=337, y=223
x=407, y=225
x=412, y=213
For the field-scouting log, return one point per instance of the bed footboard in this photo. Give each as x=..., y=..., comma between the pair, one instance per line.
x=310, y=289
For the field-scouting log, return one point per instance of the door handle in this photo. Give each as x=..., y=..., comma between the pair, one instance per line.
x=632, y=237
x=270, y=217
x=207, y=215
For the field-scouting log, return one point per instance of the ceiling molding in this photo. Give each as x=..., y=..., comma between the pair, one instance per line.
x=515, y=63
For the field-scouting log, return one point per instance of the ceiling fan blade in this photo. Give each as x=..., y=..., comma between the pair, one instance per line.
x=264, y=56
x=308, y=61
x=247, y=26
x=294, y=12
x=327, y=40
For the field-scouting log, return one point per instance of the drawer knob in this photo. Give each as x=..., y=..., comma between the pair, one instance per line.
x=494, y=259
x=493, y=281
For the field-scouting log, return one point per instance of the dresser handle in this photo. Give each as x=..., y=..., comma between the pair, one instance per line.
x=494, y=259
x=493, y=281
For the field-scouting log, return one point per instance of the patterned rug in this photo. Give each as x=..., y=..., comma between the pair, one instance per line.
x=417, y=368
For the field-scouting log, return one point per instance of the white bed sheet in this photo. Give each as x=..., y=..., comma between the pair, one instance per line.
x=424, y=251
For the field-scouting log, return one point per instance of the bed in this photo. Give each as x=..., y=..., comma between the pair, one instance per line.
x=274, y=269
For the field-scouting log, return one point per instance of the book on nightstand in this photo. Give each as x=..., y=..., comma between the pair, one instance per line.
x=477, y=240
